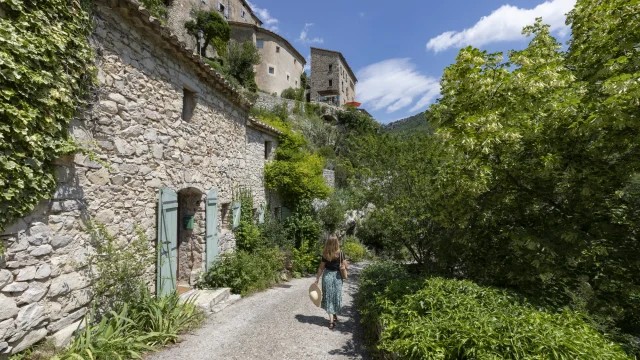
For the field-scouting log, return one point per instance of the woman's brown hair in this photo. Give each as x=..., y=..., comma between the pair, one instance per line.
x=331, y=248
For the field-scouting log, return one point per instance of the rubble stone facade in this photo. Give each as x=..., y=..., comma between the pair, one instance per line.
x=332, y=80
x=144, y=140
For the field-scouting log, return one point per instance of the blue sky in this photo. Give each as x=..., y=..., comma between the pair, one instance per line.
x=398, y=49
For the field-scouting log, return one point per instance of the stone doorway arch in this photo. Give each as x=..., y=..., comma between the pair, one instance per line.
x=191, y=236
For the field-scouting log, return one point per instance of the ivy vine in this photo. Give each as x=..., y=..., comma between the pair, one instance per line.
x=46, y=71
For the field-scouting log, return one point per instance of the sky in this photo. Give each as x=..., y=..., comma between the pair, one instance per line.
x=398, y=49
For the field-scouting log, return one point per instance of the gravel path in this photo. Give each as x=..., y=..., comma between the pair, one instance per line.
x=280, y=323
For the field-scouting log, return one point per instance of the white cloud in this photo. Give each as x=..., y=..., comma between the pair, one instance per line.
x=393, y=84
x=268, y=22
x=505, y=24
x=303, y=36
x=361, y=14
x=307, y=67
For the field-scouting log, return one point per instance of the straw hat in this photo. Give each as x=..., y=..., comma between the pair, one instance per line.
x=315, y=294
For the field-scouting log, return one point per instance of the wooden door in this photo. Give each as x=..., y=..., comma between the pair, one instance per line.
x=167, y=241
x=211, y=247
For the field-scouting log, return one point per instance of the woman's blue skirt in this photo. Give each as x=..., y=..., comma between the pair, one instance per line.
x=332, y=291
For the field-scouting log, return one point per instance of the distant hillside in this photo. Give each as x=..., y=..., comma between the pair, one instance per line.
x=415, y=123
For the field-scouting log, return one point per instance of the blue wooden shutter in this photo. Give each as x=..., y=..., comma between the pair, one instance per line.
x=236, y=213
x=212, y=227
x=261, y=214
x=167, y=241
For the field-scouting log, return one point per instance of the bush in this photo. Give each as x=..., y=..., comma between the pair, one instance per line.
x=240, y=61
x=274, y=234
x=244, y=272
x=119, y=270
x=353, y=250
x=438, y=318
x=293, y=94
x=247, y=233
x=306, y=259
x=134, y=329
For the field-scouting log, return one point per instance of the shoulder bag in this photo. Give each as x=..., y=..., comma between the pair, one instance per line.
x=343, y=269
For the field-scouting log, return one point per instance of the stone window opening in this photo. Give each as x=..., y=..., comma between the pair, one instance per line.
x=225, y=215
x=330, y=67
x=260, y=44
x=295, y=61
x=287, y=77
x=330, y=83
x=267, y=149
x=296, y=82
x=188, y=104
x=243, y=14
x=272, y=70
x=221, y=7
x=278, y=49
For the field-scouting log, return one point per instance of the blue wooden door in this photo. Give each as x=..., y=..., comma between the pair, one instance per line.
x=235, y=206
x=212, y=227
x=167, y=241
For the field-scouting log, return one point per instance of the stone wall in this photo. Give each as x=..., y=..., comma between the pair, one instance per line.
x=329, y=177
x=267, y=101
x=138, y=131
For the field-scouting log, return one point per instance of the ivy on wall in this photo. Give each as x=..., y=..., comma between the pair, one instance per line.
x=46, y=71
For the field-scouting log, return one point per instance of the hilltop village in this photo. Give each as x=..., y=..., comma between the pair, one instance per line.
x=172, y=142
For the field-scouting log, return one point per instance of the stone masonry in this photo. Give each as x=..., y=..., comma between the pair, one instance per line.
x=331, y=77
x=137, y=131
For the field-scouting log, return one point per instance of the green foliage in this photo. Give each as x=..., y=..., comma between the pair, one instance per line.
x=244, y=272
x=353, y=250
x=306, y=258
x=157, y=8
x=240, y=61
x=274, y=234
x=436, y=318
x=120, y=270
x=134, y=329
x=293, y=94
x=46, y=73
x=215, y=30
x=414, y=124
x=296, y=173
x=247, y=233
x=332, y=215
x=530, y=181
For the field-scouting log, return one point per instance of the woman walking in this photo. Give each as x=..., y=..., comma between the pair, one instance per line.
x=332, y=261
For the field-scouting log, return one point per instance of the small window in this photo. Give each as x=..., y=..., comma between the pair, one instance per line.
x=220, y=7
x=267, y=149
x=287, y=78
x=277, y=213
x=225, y=215
x=330, y=67
x=330, y=82
x=278, y=49
x=296, y=82
x=188, y=104
x=260, y=44
x=272, y=70
x=243, y=13
x=295, y=61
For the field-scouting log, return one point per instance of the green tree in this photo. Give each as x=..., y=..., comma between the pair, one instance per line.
x=241, y=59
x=215, y=29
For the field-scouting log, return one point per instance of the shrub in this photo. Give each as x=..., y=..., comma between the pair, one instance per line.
x=214, y=29
x=134, y=329
x=274, y=234
x=244, y=272
x=293, y=94
x=353, y=250
x=119, y=270
x=240, y=61
x=307, y=258
x=438, y=318
x=247, y=233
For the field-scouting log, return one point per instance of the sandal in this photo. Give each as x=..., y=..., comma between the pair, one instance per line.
x=331, y=325
x=335, y=318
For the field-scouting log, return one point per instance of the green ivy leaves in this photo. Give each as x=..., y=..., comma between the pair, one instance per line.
x=46, y=70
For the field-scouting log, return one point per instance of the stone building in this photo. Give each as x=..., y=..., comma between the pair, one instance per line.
x=332, y=80
x=173, y=140
x=181, y=11
x=281, y=64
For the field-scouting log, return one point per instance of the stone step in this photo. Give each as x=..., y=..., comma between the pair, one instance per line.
x=207, y=299
x=230, y=301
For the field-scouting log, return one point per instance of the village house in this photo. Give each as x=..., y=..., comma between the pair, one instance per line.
x=173, y=139
x=332, y=80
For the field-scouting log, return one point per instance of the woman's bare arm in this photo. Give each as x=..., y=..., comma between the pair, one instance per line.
x=320, y=270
